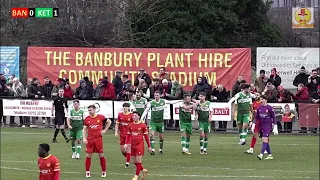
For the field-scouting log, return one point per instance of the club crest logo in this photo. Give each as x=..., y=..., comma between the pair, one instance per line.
x=48, y=164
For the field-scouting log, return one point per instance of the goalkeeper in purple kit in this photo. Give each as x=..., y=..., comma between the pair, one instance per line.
x=267, y=124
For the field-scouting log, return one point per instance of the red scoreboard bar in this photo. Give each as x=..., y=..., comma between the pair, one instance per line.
x=20, y=12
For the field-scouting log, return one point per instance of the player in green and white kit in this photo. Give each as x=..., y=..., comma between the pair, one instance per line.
x=75, y=124
x=203, y=116
x=140, y=103
x=157, y=107
x=243, y=106
x=185, y=110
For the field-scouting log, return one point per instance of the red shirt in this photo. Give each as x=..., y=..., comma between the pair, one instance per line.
x=95, y=125
x=256, y=105
x=124, y=120
x=48, y=167
x=137, y=131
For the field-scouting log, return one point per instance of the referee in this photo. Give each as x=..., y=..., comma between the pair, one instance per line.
x=60, y=107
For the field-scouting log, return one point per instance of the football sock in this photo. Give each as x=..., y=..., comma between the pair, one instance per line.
x=264, y=147
x=201, y=142
x=73, y=146
x=88, y=164
x=161, y=143
x=205, y=143
x=245, y=133
x=183, y=142
x=63, y=133
x=128, y=156
x=78, y=148
x=240, y=134
x=138, y=168
x=187, y=142
x=268, y=148
x=103, y=164
x=152, y=143
x=253, y=142
x=56, y=132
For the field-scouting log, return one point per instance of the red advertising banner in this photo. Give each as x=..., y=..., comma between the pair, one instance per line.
x=220, y=66
x=309, y=115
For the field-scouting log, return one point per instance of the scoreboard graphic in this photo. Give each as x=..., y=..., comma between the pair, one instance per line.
x=34, y=12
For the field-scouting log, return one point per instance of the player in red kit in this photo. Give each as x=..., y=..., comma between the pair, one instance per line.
x=136, y=132
x=93, y=125
x=49, y=166
x=255, y=126
x=123, y=121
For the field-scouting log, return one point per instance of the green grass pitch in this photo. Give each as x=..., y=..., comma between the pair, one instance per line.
x=295, y=157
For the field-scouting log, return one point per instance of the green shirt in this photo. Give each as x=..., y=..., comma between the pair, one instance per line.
x=140, y=105
x=243, y=102
x=76, y=119
x=203, y=110
x=185, y=114
x=157, y=110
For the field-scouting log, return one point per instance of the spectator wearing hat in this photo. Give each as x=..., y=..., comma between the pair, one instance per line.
x=261, y=81
x=315, y=97
x=302, y=93
x=271, y=92
x=117, y=82
x=142, y=75
x=313, y=81
x=275, y=79
x=284, y=96
x=83, y=91
x=88, y=82
x=302, y=77
x=98, y=90
x=108, y=91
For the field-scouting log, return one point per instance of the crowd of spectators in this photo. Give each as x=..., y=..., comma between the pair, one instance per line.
x=121, y=88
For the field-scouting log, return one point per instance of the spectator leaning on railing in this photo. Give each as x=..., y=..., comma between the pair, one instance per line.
x=284, y=96
x=176, y=92
x=84, y=91
x=108, y=90
x=68, y=91
x=98, y=90
x=201, y=86
x=142, y=75
x=302, y=93
x=35, y=90
x=144, y=88
x=19, y=92
x=220, y=94
x=316, y=96
x=271, y=92
x=155, y=86
x=166, y=88
x=56, y=87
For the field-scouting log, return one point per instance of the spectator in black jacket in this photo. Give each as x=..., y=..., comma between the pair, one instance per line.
x=220, y=94
x=208, y=88
x=201, y=86
x=275, y=79
x=2, y=84
x=35, y=90
x=302, y=77
x=156, y=86
x=235, y=87
x=117, y=82
x=125, y=80
x=315, y=97
x=142, y=75
x=88, y=82
x=47, y=87
x=313, y=81
x=84, y=91
x=284, y=96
